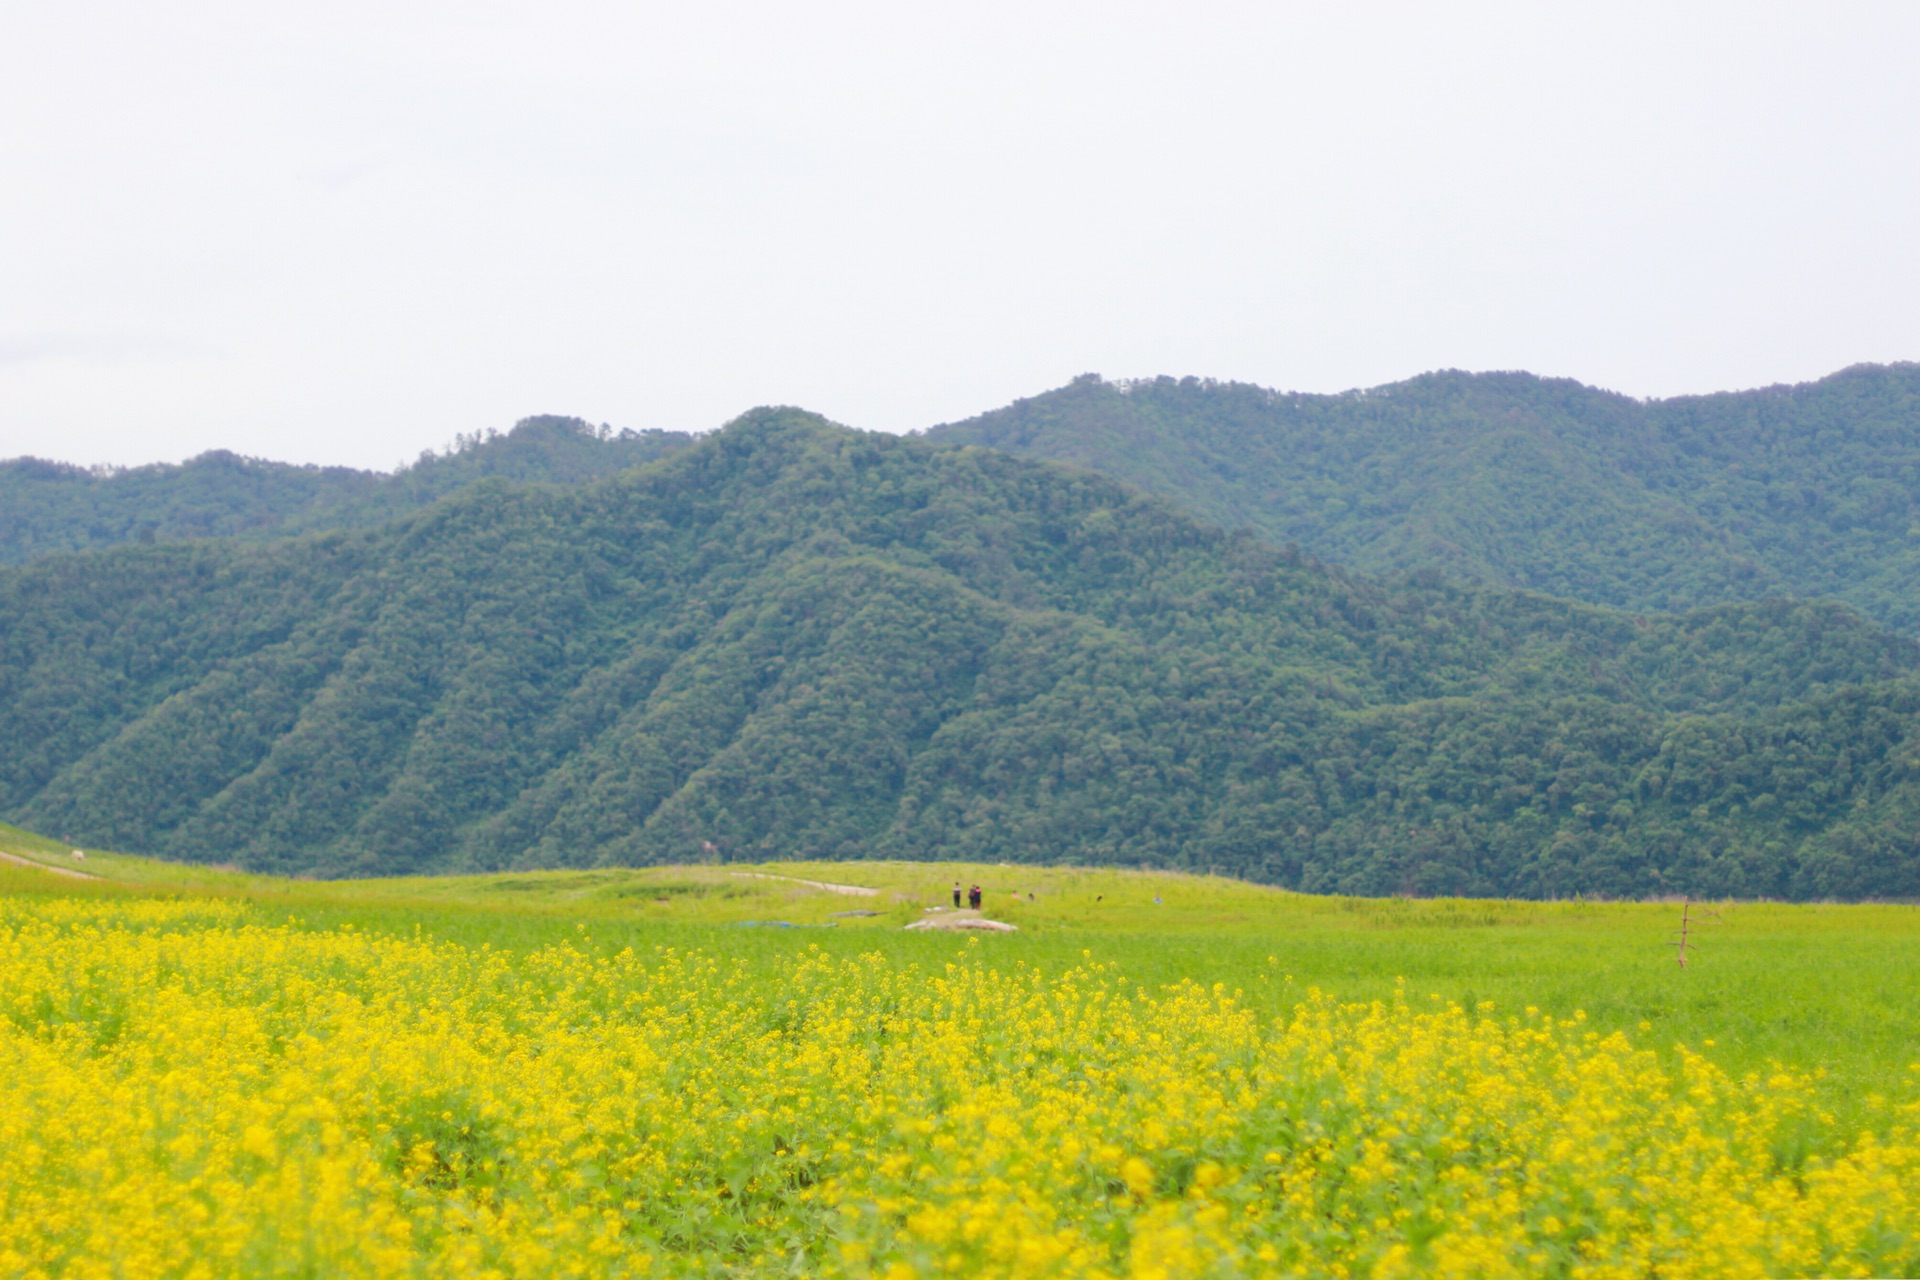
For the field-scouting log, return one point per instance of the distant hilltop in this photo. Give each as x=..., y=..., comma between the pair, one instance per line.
x=1808, y=491
x=48, y=507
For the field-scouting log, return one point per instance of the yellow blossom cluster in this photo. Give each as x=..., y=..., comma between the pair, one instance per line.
x=187, y=1090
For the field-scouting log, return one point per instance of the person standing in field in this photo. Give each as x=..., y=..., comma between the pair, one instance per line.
x=956, y=893
x=973, y=897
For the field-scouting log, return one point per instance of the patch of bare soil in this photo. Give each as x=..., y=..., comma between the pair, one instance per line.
x=952, y=918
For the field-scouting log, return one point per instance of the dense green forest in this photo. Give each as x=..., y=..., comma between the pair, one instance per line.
x=1810, y=491
x=49, y=506
x=794, y=640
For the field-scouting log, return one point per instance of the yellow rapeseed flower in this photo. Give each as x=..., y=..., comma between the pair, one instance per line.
x=187, y=1091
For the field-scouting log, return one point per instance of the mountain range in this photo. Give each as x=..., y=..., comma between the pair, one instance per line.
x=1811, y=491
x=50, y=507
x=788, y=638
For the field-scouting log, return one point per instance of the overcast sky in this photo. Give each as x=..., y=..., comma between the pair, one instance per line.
x=344, y=232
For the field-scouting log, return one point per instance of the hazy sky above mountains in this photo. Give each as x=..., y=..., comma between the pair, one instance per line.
x=345, y=233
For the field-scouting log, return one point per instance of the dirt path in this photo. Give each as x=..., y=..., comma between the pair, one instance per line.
x=18, y=861
x=851, y=890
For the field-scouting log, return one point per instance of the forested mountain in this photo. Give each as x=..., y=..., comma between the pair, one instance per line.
x=1811, y=490
x=791, y=639
x=49, y=506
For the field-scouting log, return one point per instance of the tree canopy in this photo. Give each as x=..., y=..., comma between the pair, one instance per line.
x=792, y=639
x=1810, y=491
x=49, y=507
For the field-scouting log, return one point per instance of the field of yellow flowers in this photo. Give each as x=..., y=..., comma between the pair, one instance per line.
x=198, y=1086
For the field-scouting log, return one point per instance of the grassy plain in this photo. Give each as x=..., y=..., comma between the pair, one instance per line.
x=1829, y=989
x=727, y=1069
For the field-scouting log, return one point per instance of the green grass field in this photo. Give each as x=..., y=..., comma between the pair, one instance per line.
x=1825, y=988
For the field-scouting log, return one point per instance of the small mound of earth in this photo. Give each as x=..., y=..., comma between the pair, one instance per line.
x=965, y=922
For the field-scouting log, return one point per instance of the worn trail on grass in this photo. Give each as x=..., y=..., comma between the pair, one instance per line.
x=19, y=861
x=852, y=890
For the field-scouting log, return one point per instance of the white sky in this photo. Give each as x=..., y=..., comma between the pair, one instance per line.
x=343, y=232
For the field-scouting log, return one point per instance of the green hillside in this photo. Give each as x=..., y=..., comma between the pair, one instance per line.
x=1810, y=491
x=793, y=640
x=48, y=507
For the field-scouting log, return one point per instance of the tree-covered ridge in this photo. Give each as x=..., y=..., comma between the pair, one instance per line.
x=48, y=507
x=794, y=640
x=1810, y=490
